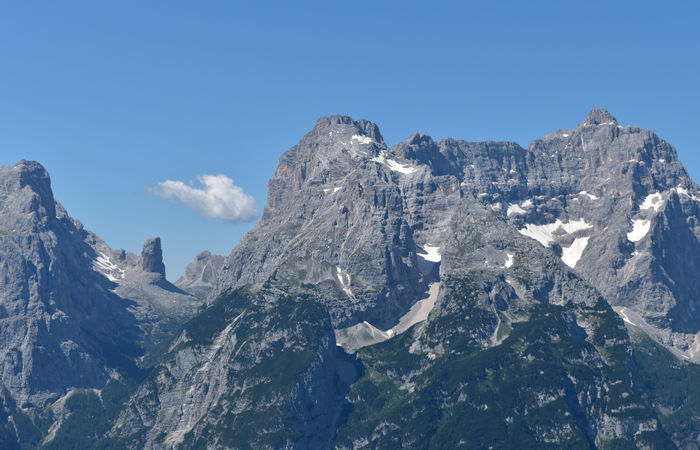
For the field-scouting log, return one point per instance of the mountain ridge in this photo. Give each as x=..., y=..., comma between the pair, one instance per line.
x=427, y=294
x=75, y=313
x=368, y=229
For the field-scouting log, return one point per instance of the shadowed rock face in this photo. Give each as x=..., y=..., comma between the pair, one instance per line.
x=152, y=256
x=65, y=321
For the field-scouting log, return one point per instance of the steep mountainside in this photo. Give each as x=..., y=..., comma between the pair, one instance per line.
x=428, y=295
x=471, y=284
x=73, y=312
x=615, y=203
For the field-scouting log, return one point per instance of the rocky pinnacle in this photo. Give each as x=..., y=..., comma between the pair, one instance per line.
x=152, y=256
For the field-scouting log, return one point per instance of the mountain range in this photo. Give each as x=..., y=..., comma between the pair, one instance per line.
x=431, y=294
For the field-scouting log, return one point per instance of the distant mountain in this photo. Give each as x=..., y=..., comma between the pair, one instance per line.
x=427, y=295
x=74, y=314
x=201, y=274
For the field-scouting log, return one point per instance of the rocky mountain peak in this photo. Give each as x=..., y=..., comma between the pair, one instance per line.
x=335, y=147
x=33, y=175
x=338, y=123
x=152, y=256
x=419, y=139
x=480, y=267
x=201, y=274
x=203, y=255
x=599, y=116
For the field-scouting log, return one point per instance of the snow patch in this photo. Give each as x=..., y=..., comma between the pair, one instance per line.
x=573, y=226
x=544, y=234
x=496, y=206
x=431, y=253
x=591, y=196
x=640, y=228
x=344, y=279
x=362, y=139
x=515, y=209
x=334, y=190
x=625, y=318
x=106, y=267
x=394, y=165
x=681, y=190
x=652, y=201
x=521, y=208
x=570, y=255
x=509, y=261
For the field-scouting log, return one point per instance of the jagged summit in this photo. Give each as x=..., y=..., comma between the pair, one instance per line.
x=68, y=313
x=489, y=273
x=367, y=127
x=33, y=175
x=599, y=116
x=418, y=138
x=362, y=127
x=483, y=267
x=31, y=167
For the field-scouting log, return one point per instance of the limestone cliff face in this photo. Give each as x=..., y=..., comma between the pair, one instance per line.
x=616, y=205
x=64, y=321
x=612, y=201
x=431, y=294
x=200, y=275
x=458, y=272
x=152, y=256
x=258, y=367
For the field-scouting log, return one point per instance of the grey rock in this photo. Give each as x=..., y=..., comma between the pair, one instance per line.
x=66, y=320
x=521, y=252
x=367, y=229
x=611, y=180
x=599, y=116
x=152, y=256
x=593, y=179
x=215, y=374
x=200, y=275
x=360, y=231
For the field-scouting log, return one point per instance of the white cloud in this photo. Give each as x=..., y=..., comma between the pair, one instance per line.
x=218, y=197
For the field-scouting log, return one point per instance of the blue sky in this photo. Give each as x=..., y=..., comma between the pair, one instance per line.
x=116, y=97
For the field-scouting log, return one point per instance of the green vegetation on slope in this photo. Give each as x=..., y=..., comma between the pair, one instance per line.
x=539, y=388
x=671, y=386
